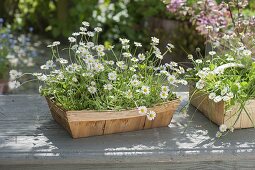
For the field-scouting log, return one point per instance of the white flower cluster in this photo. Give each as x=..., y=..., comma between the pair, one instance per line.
x=102, y=79
x=144, y=111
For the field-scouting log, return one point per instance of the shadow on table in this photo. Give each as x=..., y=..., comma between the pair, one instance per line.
x=193, y=134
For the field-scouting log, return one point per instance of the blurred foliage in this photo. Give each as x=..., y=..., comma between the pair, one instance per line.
x=133, y=19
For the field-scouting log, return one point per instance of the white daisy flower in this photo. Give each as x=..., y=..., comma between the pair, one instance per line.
x=145, y=90
x=151, y=115
x=83, y=29
x=217, y=99
x=127, y=55
x=44, y=67
x=56, y=43
x=198, y=61
x=154, y=41
x=124, y=41
x=92, y=89
x=98, y=29
x=74, y=79
x=169, y=45
x=223, y=128
x=75, y=34
x=212, y=96
x=212, y=53
x=112, y=75
x=163, y=95
x=62, y=61
x=165, y=89
x=93, y=83
x=108, y=87
x=134, y=59
x=218, y=134
x=141, y=57
x=171, y=79
x=190, y=57
x=85, y=23
x=142, y=110
x=14, y=74
x=90, y=34
x=43, y=77
x=72, y=39
x=137, y=44
x=14, y=84
x=226, y=98
x=50, y=64
x=135, y=82
x=200, y=84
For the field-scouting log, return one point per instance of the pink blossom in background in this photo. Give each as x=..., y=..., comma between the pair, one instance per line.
x=175, y=5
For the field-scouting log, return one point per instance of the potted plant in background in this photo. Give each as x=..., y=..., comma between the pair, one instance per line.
x=222, y=82
x=99, y=90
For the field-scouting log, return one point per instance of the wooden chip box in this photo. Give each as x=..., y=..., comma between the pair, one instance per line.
x=92, y=123
x=216, y=111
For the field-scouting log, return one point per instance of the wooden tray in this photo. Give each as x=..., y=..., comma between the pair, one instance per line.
x=217, y=113
x=86, y=123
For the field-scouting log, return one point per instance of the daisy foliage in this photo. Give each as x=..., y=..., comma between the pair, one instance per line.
x=98, y=77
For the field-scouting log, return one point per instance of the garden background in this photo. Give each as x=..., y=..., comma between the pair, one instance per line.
x=37, y=23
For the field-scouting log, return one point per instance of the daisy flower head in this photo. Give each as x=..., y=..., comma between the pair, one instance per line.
x=108, y=87
x=14, y=74
x=218, y=134
x=171, y=78
x=74, y=79
x=200, y=84
x=92, y=89
x=112, y=75
x=212, y=53
x=223, y=128
x=142, y=110
x=212, y=96
x=151, y=115
x=72, y=39
x=137, y=44
x=190, y=57
x=14, y=84
x=124, y=41
x=98, y=29
x=135, y=82
x=170, y=46
x=199, y=61
x=85, y=24
x=134, y=59
x=154, y=41
x=217, y=99
x=226, y=98
x=165, y=89
x=90, y=34
x=75, y=34
x=145, y=90
x=127, y=55
x=62, y=61
x=163, y=95
x=141, y=57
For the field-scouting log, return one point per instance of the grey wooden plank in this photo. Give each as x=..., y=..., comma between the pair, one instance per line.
x=32, y=137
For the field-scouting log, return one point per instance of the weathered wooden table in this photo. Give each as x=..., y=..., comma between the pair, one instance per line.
x=30, y=139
